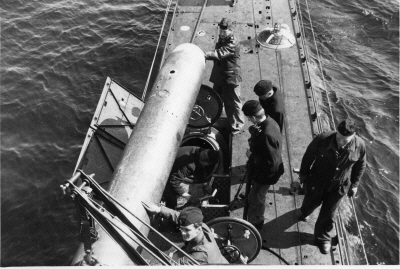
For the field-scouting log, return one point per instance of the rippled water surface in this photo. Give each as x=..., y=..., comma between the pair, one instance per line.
x=56, y=55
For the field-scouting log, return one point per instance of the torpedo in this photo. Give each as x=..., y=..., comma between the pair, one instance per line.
x=146, y=162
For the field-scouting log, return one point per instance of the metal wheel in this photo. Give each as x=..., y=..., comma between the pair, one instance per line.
x=238, y=233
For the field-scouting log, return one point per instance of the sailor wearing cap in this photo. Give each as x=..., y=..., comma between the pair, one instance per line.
x=226, y=74
x=265, y=162
x=189, y=168
x=271, y=100
x=332, y=167
x=199, y=239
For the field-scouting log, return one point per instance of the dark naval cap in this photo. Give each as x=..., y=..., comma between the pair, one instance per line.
x=224, y=24
x=212, y=156
x=346, y=127
x=262, y=87
x=251, y=108
x=190, y=215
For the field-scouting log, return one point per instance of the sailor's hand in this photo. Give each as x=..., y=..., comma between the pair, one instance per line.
x=352, y=192
x=151, y=208
x=207, y=189
x=90, y=260
x=248, y=153
x=210, y=55
x=303, y=178
x=186, y=195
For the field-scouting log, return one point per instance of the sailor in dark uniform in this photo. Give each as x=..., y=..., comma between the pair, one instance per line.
x=199, y=239
x=332, y=167
x=271, y=100
x=226, y=74
x=189, y=168
x=265, y=162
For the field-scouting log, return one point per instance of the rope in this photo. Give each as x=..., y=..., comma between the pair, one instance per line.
x=276, y=254
x=198, y=21
x=333, y=122
x=155, y=53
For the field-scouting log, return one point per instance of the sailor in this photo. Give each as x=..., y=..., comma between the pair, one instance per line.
x=199, y=239
x=271, y=100
x=265, y=162
x=189, y=168
x=332, y=167
x=226, y=74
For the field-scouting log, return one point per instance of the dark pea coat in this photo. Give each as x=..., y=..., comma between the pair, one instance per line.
x=265, y=161
x=226, y=58
x=275, y=107
x=327, y=170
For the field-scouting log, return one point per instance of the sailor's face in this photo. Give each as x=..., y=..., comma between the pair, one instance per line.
x=251, y=119
x=224, y=33
x=342, y=140
x=267, y=95
x=203, y=158
x=189, y=232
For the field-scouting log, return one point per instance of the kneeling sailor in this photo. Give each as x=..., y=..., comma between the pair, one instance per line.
x=199, y=239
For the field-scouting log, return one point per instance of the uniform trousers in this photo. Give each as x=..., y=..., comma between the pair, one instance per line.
x=173, y=193
x=230, y=95
x=256, y=199
x=330, y=201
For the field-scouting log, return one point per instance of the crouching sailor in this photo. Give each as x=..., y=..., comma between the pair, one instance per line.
x=189, y=168
x=199, y=240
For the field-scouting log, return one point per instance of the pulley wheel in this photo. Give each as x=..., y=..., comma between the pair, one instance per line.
x=243, y=235
x=207, y=109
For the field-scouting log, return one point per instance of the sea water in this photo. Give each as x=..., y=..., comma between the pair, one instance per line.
x=56, y=56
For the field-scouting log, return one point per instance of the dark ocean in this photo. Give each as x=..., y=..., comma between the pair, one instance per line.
x=56, y=56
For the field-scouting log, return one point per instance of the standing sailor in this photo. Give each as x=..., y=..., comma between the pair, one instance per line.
x=199, y=239
x=226, y=74
x=265, y=162
x=271, y=100
x=332, y=167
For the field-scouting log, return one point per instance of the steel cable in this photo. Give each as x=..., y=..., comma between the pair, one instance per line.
x=359, y=230
x=140, y=236
x=107, y=195
x=102, y=212
x=332, y=118
x=158, y=44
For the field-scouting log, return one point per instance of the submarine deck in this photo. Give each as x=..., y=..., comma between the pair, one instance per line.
x=282, y=232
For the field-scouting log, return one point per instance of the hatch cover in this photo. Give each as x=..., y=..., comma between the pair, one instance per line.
x=278, y=37
x=207, y=109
